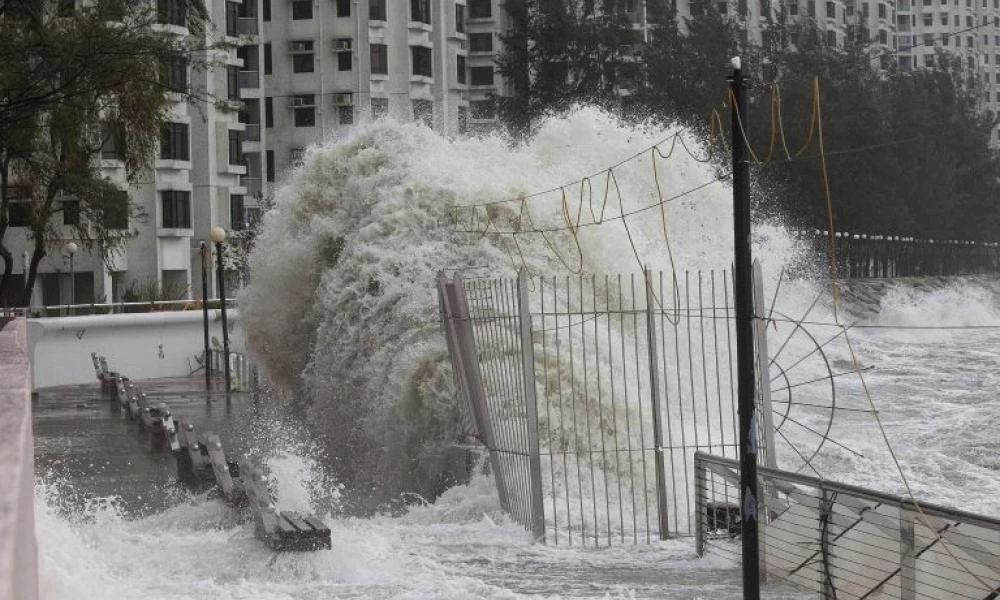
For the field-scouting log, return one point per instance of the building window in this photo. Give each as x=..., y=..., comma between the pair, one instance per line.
x=459, y=18
x=482, y=109
x=421, y=59
x=343, y=8
x=269, y=112
x=267, y=59
x=296, y=155
x=793, y=8
x=461, y=69
x=380, y=107
x=304, y=109
x=269, y=166
x=420, y=11
x=174, y=141
x=481, y=42
x=481, y=75
x=345, y=115
x=302, y=56
x=176, y=209
x=831, y=38
x=480, y=9
x=18, y=214
x=232, y=14
x=928, y=19
x=865, y=10
x=970, y=42
x=171, y=12
x=423, y=112
x=831, y=10
x=236, y=214
x=71, y=212
x=376, y=10
x=114, y=211
x=173, y=73
x=302, y=9
x=883, y=36
x=811, y=5
x=266, y=12
x=881, y=10
x=235, y=147
x=379, y=59
x=345, y=60
x=233, y=82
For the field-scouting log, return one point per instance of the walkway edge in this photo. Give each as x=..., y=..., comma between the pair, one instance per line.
x=18, y=545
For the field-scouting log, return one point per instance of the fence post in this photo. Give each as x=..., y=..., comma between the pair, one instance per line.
x=465, y=360
x=763, y=359
x=700, y=489
x=654, y=385
x=530, y=407
x=828, y=592
x=907, y=555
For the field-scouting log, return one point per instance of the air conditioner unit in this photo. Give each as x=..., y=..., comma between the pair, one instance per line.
x=342, y=44
x=343, y=99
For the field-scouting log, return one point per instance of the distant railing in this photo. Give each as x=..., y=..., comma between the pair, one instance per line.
x=862, y=256
x=69, y=310
x=252, y=184
x=843, y=541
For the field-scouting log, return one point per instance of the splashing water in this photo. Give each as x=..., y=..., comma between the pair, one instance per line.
x=343, y=310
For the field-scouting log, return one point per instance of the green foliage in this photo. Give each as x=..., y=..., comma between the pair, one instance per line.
x=70, y=86
x=908, y=151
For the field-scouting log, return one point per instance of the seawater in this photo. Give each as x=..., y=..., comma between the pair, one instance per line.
x=343, y=313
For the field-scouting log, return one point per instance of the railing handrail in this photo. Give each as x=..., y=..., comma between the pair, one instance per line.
x=928, y=508
x=95, y=305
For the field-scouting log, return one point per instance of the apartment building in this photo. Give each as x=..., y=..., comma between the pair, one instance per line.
x=329, y=64
x=203, y=176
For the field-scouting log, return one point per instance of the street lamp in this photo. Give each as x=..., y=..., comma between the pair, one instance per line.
x=206, y=266
x=218, y=235
x=71, y=249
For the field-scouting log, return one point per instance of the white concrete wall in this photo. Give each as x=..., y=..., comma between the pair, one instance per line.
x=140, y=346
x=18, y=548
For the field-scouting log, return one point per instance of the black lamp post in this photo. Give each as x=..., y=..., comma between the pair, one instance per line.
x=218, y=235
x=206, y=265
x=71, y=249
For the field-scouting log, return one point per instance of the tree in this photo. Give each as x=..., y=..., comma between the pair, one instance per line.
x=558, y=53
x=74, y=86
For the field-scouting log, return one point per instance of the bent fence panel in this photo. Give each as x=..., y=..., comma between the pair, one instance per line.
x=594, y=393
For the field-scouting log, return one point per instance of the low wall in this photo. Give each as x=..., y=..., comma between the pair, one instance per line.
x=139, y=345
x=18, y=548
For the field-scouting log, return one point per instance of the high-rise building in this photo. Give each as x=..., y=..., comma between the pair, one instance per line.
x=328, y=65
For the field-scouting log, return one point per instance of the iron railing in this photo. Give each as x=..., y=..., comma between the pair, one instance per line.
x=593, y=394
x=847, y=542
x=104, y=308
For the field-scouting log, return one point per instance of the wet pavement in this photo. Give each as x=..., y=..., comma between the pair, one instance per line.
x=84, y=445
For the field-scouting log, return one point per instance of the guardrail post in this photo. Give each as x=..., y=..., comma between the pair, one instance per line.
x=530, y=407
x=654, y=384
x=763, y=359
x=907, y=555
x=700, y=489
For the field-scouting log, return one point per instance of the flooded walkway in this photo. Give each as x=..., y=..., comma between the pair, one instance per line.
x=83, y=442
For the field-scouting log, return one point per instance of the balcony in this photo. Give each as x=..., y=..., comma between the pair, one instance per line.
x=246, y=26
x=248, y=79
x=252, y=185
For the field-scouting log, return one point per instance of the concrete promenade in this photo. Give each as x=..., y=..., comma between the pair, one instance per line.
x=18, y=547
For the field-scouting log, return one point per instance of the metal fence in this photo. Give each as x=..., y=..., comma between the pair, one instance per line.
x=593, y=394
x=845, y=542
x=861, y=256
x=106, y=308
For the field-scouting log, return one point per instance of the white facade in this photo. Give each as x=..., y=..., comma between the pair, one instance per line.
x=195, y=185
x=329, y=64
